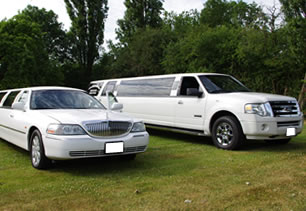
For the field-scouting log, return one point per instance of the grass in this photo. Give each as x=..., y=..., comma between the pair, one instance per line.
x=178, y=172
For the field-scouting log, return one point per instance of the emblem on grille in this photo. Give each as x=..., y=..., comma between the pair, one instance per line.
x=287, y=109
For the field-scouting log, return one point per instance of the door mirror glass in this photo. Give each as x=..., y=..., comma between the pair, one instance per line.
x=117, y=106
x=113, y=103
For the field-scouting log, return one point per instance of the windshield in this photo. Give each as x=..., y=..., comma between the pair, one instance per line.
x=63, y=99
x=222, y=84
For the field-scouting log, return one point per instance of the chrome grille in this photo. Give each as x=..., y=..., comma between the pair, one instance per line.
x=284, y=108
x=86, y=153
x=107, y=128
x=96, y=153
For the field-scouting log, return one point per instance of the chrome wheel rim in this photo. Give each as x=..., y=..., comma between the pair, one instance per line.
x=36, y=152
x=224, y=134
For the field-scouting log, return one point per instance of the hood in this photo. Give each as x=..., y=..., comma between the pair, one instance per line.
x=77, y=116
x=252, y=97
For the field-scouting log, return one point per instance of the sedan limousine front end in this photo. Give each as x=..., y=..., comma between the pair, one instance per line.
x=56, y=123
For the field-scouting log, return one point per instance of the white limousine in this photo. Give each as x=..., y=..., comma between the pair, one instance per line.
x=206, y=104
x=56, y=123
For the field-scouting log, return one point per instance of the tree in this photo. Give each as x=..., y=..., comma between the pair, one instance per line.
x=204, y=49
x=87, y=31
x=139, y=14
x=223, y=12
x=295, y=16
x=54, y=36
x=24, y=60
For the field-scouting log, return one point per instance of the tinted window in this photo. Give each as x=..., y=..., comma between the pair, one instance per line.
x=10, y=99
x=109, y=87
x=222, y=84
x=63, y=99
x=2, y=95
x=146, y=87
x=187, y=83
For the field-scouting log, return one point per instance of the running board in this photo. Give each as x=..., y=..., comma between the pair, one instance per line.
x=176, y=129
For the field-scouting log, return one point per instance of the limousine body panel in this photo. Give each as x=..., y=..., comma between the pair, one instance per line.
x=154, y=111
x=211, y=104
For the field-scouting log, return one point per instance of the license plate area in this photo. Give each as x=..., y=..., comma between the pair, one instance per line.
x=114, y=147
x=291, y=132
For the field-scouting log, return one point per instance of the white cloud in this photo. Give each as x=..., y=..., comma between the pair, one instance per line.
x=265, y=3
x=183, y=5
x=115, y=12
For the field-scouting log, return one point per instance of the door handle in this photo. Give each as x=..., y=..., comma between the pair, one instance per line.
x=11, y=115
x=180, y=102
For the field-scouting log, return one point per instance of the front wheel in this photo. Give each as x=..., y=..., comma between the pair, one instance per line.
x=227, y=133
x=38, y=158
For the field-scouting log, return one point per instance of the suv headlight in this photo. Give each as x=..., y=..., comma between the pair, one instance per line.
x=65, y=129
x=261, y=109
x=138, y=127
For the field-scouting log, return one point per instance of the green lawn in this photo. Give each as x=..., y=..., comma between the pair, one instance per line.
x=178, y=172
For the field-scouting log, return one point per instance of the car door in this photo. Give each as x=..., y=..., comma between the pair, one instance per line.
x=14, y=120
x=2, y=113
x=190, y=104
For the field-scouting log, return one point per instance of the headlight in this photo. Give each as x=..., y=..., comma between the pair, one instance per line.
x=138, y=127
x=261, y=109
x=59, y=129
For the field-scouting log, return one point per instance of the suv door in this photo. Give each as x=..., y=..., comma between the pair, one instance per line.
x=190, y=104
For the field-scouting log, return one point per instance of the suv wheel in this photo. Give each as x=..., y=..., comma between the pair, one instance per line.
x=227, y=133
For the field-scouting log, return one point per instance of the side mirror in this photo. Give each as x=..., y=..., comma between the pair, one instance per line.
x=113, y=103
x=19, y=106
x=117, y=106
x=194, y=92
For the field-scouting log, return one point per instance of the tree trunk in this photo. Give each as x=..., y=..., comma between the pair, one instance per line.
x=302, y=94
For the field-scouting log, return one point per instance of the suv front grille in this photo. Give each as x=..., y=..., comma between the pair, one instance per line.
x=284, y=108
x=288, y=124
x=107, y=128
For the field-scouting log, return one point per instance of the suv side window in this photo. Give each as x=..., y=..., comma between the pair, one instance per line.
x=188, y=83
x=110, y=86
x=10, y=99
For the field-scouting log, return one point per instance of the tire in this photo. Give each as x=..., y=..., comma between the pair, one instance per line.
x=37, y=152
x=227, y=133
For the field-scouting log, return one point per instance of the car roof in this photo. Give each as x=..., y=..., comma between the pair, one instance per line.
x=42, y=88
x=158, y=76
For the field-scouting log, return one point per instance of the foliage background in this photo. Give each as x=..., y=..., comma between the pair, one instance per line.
x=263, y=49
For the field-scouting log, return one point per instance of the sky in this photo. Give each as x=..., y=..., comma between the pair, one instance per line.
x=116, y=10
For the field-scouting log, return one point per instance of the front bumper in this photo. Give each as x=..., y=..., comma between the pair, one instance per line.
x=271, y=128
x=84, y=146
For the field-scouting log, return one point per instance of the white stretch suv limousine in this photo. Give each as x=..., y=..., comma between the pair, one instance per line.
x=56, y=123
x=214, y=105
